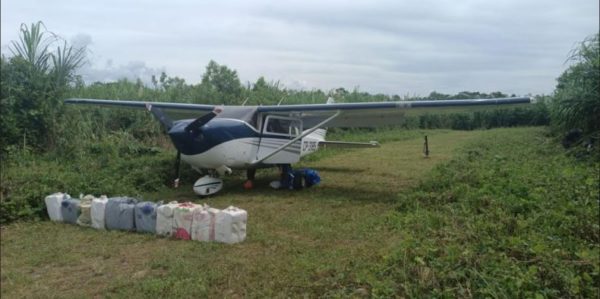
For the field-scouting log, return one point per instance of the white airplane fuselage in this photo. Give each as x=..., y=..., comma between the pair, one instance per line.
x=235, y=144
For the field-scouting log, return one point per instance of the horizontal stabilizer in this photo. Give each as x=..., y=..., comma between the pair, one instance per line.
x=344, y=144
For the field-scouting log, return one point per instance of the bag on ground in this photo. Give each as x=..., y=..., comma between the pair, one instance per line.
x=145, y=217
x=97, y=212
x=182, y=220
x=69, y=208
x=230, y=225
x=85, y=217
x=53, y=205
x=164, y=219
x=119, y=213
x=203, y=224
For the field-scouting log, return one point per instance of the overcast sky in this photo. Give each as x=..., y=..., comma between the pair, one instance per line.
x=391, y=47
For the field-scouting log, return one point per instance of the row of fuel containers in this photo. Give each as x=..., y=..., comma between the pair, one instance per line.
x=186, y=221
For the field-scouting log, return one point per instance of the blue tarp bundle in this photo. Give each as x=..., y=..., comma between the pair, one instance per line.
x=145, y=216
x=299, y=178
x=311, y=176
x=70, y=210
x=119, y=213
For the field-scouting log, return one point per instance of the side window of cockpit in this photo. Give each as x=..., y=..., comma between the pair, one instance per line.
x=279, y=126
x=282, y=126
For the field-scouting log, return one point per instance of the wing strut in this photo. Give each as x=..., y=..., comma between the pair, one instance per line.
x=304, y=134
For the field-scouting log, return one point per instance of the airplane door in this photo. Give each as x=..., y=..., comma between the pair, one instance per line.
x=277, y=131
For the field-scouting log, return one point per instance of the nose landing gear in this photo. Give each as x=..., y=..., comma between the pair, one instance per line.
x=208, y=185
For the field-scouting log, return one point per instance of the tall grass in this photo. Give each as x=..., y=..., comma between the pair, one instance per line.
x=577, y=96
x=511, y=217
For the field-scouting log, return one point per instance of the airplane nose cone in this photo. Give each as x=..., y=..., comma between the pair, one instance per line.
x=181, y=139
x=188, y=142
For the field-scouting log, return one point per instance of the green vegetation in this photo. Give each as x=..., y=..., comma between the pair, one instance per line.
x=120, y=165
x=34, y=81
x=577, y=95
x=510, y=217
x=497, y=213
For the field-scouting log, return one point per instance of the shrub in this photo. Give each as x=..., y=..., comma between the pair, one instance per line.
x=577, y=95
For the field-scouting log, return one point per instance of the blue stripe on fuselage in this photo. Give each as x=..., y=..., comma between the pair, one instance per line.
x=215, y=132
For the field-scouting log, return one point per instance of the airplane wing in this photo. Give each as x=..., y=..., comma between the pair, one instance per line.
x=370, y=114
x=376, y=114
x=173, y=110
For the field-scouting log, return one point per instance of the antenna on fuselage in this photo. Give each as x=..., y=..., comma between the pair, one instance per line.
x=282, y=98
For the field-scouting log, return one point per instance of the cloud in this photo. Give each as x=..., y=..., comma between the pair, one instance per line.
x=109, y=73
x=81, y=41
x=382, y=46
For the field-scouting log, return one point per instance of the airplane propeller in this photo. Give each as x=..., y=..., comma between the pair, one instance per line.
x=202, y=120
x=194, y=128
x=161, y=116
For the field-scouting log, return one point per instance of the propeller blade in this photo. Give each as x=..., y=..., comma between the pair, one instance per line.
x=160, y=115
x=202, y=120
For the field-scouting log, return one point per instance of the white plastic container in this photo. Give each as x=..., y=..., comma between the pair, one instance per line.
x=182, y=220
x=53, y=203
x=203, y=224
x=164, y=219
x=230, y=225
x=97, y=212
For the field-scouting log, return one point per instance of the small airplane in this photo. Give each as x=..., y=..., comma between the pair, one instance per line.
x=217, y=139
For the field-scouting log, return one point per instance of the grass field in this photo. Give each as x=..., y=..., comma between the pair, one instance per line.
x=498, y=213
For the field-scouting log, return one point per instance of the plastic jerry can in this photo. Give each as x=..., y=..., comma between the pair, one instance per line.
x=164, y=219
x=119, y=213
x=231, y=225
x=203, y=224
x=182, y=220
x=85, y=217
x=69, y=209
x=97, y=212
x=145, y=217
x=53, y=205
